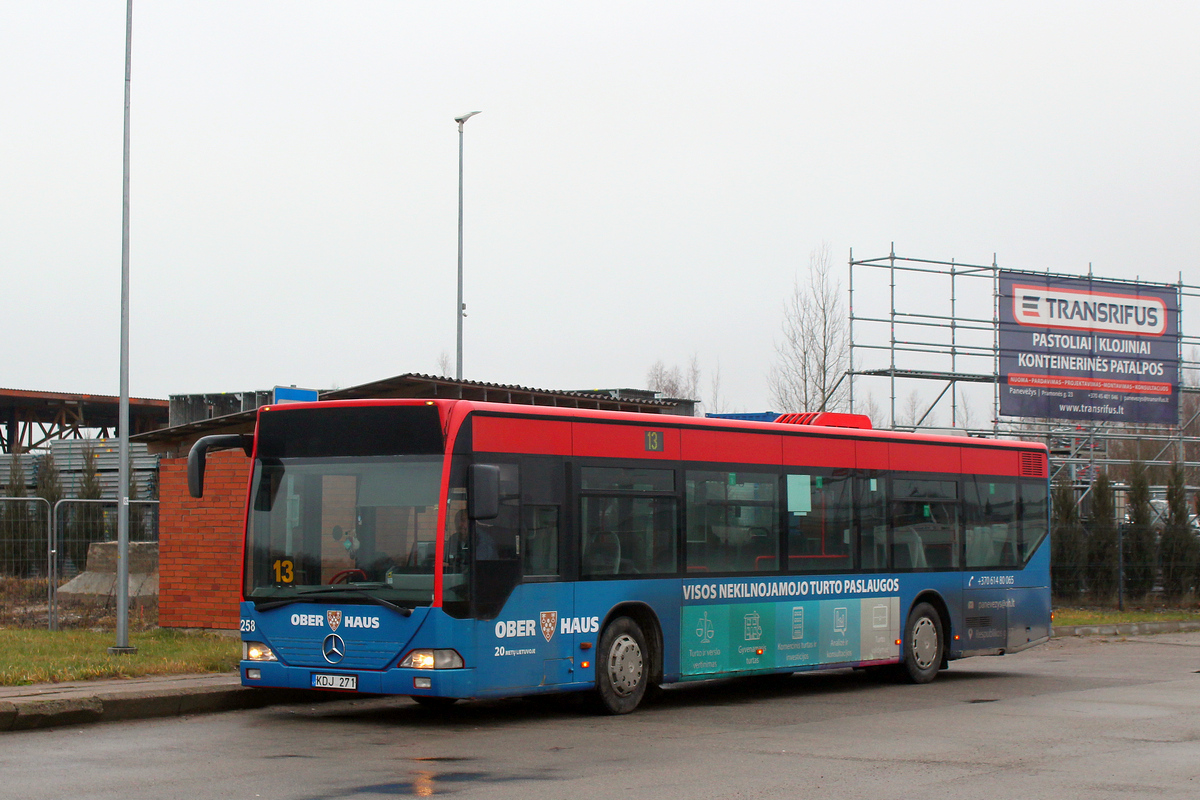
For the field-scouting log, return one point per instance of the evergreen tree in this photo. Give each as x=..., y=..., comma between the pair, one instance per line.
x=1140, y=567
x=48, y=486
x=1068, y=547
x=1102, y=542
x=1177, y=547
x=89, y=517
x=137, y=512
x=18, y=538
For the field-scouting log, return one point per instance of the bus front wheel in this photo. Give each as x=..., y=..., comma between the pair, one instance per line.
x=924, y=644
x=622, y=669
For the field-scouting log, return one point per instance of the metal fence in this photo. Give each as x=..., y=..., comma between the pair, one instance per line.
x=1107, y=564
x=38, y=542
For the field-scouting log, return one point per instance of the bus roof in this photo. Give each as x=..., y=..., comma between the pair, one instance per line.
x=453, y=412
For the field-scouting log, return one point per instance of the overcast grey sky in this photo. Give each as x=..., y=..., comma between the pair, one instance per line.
x=644, y=182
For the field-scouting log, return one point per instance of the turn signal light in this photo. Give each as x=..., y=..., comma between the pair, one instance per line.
x=898, y=643
x=585, y=664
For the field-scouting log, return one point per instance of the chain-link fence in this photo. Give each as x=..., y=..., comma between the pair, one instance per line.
x=80, y=523
x=1106, y=564
x=42, y=547
x=24, y=537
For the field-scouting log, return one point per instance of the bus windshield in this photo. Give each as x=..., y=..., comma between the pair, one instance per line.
x=365, y=524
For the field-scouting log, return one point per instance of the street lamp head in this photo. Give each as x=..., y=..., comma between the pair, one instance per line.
x=464, y=117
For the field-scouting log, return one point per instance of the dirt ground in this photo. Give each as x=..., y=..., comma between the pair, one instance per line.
x=24, y=604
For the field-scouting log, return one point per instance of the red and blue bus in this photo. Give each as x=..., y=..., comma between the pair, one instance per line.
x=448, y=549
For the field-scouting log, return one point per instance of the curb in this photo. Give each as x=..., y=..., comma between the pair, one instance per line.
x=81, y=706
x=1124, y=629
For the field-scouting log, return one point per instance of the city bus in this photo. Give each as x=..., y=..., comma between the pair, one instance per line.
x=450, y=549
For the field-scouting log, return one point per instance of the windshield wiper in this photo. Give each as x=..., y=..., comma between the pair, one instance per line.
x=311, y=595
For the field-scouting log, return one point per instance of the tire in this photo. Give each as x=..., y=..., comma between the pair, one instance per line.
x=924, y=644
x=433, y=702
x=622, y=667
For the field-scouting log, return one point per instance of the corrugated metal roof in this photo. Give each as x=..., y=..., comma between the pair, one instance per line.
x=416, y=385
x=375, y=388
x=31, y=395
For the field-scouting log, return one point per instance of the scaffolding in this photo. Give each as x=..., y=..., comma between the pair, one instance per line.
x=939, y=323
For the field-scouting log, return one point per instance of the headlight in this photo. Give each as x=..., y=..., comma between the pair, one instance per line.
x=257, y=651
x=433, y=659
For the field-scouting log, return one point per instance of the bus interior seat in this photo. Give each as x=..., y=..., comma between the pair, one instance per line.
x=939, y=556
x=909, y=550
x=603, y=554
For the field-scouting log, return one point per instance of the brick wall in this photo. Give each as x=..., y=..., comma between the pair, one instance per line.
x=200, y=542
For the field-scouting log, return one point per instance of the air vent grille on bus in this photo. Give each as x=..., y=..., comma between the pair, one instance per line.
x=1033, y=465
x=828, y=419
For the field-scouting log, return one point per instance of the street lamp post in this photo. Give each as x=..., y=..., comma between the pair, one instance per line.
x=122, y=646
x=461, y=308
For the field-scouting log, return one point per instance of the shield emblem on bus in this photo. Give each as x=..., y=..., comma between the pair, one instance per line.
x=335, y=619
x=549, y=622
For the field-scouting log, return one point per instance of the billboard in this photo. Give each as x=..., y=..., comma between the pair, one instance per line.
x=1087, y=349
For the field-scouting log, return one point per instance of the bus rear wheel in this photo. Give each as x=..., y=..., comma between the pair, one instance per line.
x=924, y=644
x=622, y=669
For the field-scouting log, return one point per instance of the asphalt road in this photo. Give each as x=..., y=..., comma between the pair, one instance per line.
x=1078, y=718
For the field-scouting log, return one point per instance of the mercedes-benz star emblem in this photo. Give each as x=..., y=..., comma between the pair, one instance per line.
x=333, y=648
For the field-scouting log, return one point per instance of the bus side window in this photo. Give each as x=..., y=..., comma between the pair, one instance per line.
x=539, y=543
x=992, y=531
x=820, y=536
x=627, y=521
x=732, y=522
x=543, y=492
x=1034, y=510
x=497, y=539
x=925, y=524
x=872, y=522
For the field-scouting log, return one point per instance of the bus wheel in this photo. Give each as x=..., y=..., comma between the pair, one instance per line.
x=622, y=675
x=433, y=702
x=924, y=644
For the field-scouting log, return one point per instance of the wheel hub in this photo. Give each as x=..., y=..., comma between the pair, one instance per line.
x=924, y=642
x=625, y=665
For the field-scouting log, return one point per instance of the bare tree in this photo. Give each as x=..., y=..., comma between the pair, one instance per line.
x=443, y=364
x=911, y=411
x=674, y=381
x=815, y=352
x=871, y=409
x=966, y=414
x=714, y=386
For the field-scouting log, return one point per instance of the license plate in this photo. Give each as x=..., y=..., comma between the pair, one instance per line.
x=349, y=682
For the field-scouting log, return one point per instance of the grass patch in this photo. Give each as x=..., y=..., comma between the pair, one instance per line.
x=39, y=656
x=1110, y=616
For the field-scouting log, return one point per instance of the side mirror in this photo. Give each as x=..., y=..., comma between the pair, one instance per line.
x=198, y=456
x=483, y=491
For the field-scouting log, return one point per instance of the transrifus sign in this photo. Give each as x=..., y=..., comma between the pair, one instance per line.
x=1087, y=349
